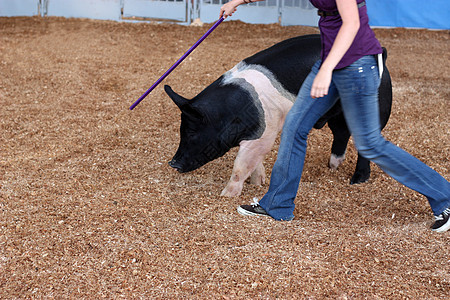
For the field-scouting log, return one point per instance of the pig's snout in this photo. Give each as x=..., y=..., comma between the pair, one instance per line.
x=176, y=165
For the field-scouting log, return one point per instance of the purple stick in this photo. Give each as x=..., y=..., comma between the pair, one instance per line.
x=176, y=64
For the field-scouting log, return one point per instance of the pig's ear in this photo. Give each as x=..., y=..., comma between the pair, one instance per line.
x=179, y=100
x=183, y=103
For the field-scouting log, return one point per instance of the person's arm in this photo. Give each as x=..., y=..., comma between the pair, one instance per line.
x=229, y=8
x=348, y=10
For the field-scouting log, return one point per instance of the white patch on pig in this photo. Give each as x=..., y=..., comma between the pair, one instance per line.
x=336, y=161
x=242, y=70
x=276, y=102
x=274, y=98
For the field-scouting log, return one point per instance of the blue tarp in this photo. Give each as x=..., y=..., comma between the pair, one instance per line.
x=432, y=14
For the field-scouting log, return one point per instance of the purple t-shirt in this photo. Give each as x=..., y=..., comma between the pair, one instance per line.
x=365, y=42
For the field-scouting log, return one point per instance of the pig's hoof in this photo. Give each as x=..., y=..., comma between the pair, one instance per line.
x=258, y=176
x=336, y=161
x=360, y=177
x=231, y=192
x=257, y=180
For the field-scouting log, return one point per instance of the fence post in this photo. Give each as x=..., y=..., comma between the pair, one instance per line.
x=42, y=8
x=196, y=9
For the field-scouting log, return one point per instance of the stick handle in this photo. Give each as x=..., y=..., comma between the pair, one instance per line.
x=176, y=64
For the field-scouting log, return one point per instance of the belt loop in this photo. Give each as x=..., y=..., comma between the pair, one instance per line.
x=380, y=64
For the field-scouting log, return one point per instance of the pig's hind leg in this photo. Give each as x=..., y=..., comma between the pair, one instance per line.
x=341, y=135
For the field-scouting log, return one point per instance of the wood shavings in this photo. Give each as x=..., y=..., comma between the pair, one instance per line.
x=89, y=207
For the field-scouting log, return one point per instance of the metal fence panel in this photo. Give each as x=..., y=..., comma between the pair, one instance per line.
x=93, y=9
x=265, y=12
x=157, y=9
x=298, y=12
x=13, y=8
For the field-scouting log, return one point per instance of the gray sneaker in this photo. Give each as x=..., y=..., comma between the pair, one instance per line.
x=253, y=209
x=442, y=222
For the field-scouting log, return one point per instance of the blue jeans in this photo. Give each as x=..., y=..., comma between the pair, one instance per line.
x=357, y=87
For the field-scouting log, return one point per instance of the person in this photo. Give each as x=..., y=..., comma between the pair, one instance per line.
x=347, y=70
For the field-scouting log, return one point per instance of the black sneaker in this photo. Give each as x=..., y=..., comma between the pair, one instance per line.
x=253, y=209
x=442, y=222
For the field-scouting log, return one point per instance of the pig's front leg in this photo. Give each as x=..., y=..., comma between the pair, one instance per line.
x=248, y=161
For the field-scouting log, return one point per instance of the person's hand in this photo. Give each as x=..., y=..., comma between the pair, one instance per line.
x=228, y=9
x=321, y=84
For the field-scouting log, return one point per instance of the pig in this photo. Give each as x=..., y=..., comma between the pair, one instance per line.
x=247, y=106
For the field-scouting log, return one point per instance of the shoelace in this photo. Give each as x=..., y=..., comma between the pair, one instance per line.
x=255, y=202
x=441, y=216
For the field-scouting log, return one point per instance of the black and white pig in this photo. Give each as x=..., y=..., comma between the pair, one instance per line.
x=246, y=107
